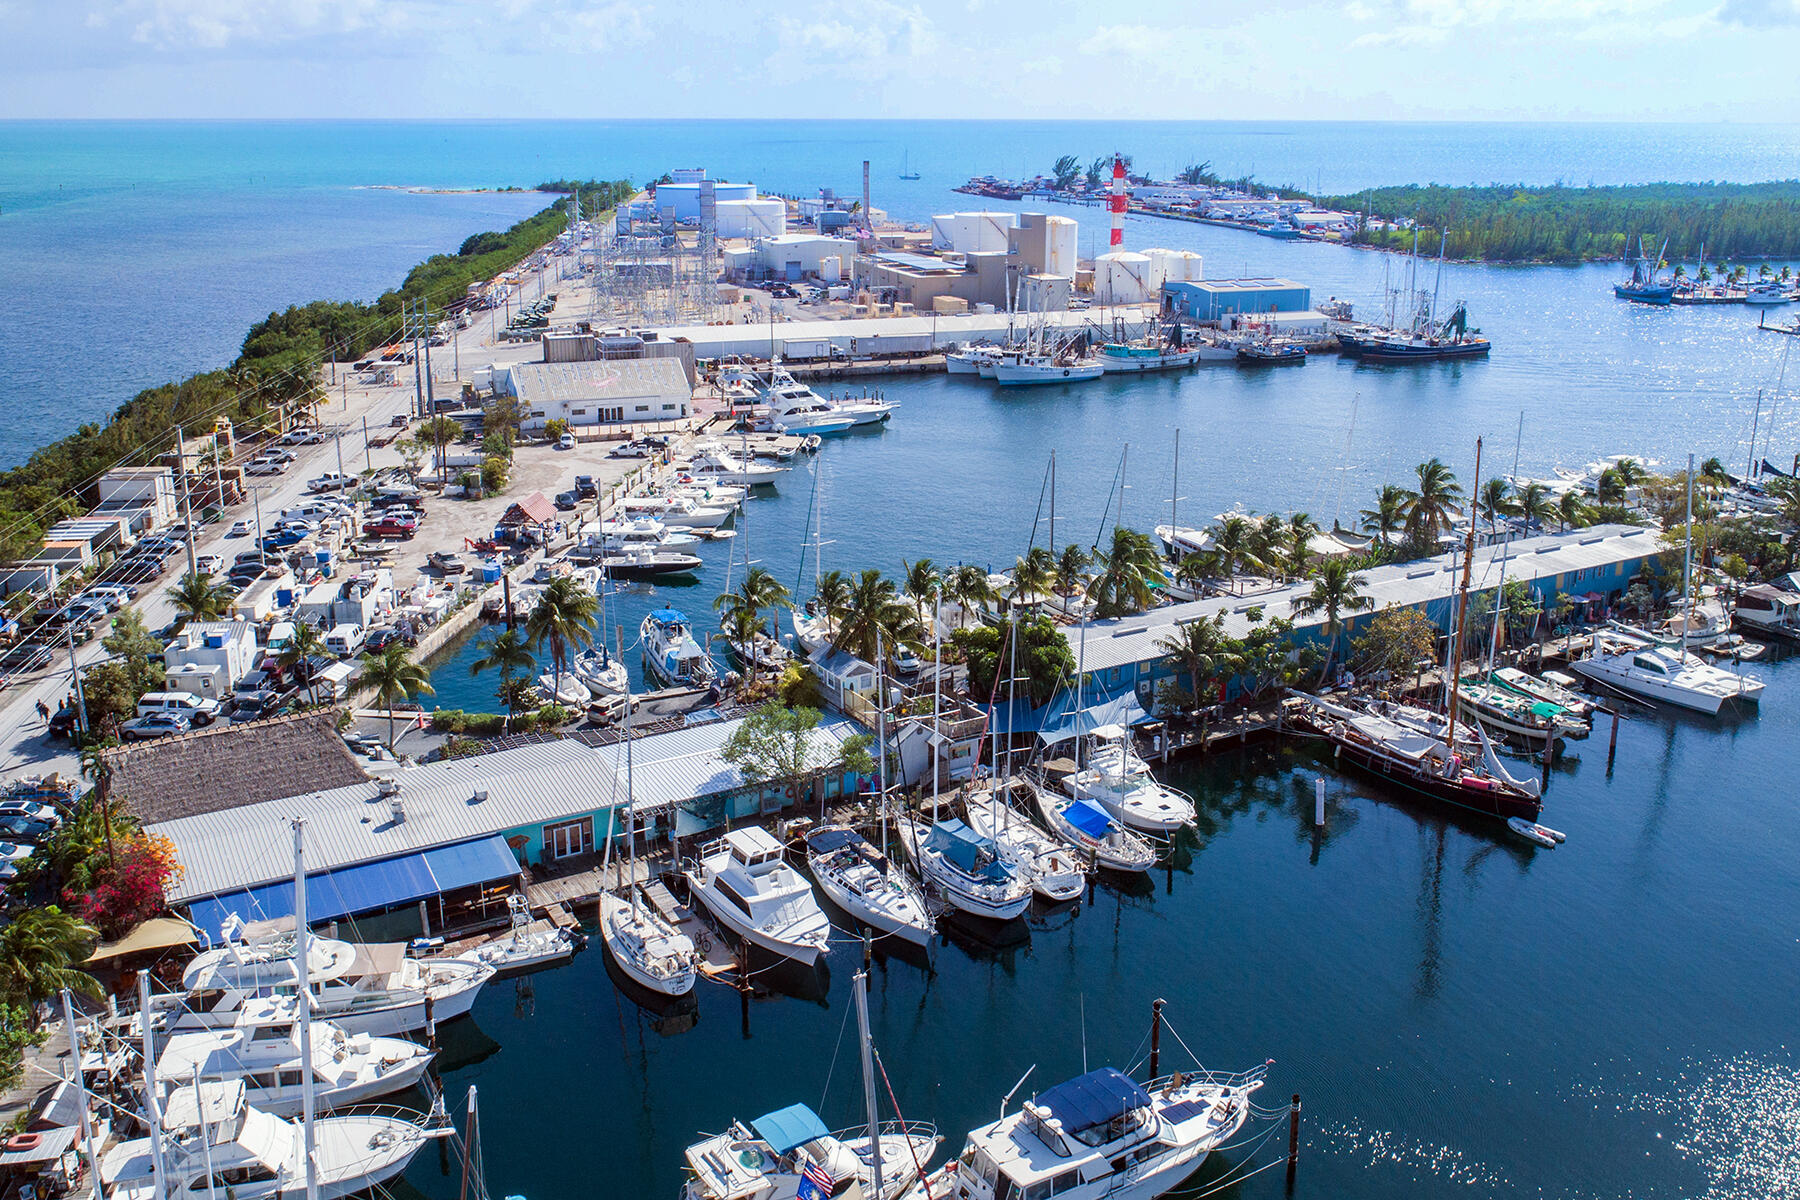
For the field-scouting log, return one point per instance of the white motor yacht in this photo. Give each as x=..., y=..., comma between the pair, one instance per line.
x=262, y=1051
x=768, y=1158
x=674, y=657
x=800, y=411
x=1665, y=673
x=721, y=464
x=1179, y=541
x=567, y=691
x=1056, y=873
x=1099, y=1136
x=749, y=888
x=374, y=989
x=210, y=1133
x=612, y=535
x=1121, y=782
x=868, y=884
x=865, y=409
x=967, y=869
x=680, y=510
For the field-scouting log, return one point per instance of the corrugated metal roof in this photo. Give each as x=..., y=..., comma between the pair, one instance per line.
x=241, y=847
x=1129, y=640
x=611, y=379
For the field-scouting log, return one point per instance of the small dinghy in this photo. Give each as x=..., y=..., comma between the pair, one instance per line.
x=1531, y=831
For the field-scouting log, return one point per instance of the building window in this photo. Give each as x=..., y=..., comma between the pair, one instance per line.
x=643, y=408
x=578, y=412
x=569, y=839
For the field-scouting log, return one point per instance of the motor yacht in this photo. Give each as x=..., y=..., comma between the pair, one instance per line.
x=768, y=1158
x=748, y=887
x=1112, y=775
x=674, y=657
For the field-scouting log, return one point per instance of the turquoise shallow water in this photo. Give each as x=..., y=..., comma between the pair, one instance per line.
x=1463, y=1016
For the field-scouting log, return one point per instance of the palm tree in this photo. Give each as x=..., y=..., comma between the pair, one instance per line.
x=198, y=598
x=1572, y=510
x=1070, y=567
x=1713, y=475
x=39, y=952
x=1034, y=574
x=1129, y=569
x=922, y=583
x=303, y=645
x=563, y=618
x=1428, y=509
x=743, y=608
x=1232, y=541
x=509, y=652
x=1300, y=530
x=968, y=586
x=1495, y=501
x=832, y=594
x=395, y=676
x=1335, y=591
x=876, y=619
x=1200, y=648
x=1534, y=504
x=1609, y=488
x=1631, y=472
x=1388, y=517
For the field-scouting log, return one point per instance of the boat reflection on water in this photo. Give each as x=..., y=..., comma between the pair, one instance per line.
x=982, y=938
x=668, y=1015
x=462, y=1043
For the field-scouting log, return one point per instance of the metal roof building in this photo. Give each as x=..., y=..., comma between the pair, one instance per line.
x=462, y=824
x=593, y=392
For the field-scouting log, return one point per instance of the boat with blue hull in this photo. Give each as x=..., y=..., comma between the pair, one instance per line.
x=1643, y=286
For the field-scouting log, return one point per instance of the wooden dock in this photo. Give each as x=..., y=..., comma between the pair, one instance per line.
x=572, y=889
x=1227, y=733
x=717, y=961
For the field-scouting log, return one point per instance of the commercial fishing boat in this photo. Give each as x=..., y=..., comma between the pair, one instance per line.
x=1643, y=286
x=1099, y=1136
x=1268, y=352
x=1450, y=338
x=674, y=657
x=1025, y=370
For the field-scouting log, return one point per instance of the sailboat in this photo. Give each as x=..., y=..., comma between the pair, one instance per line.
x=967, y=869
x=906, y=172
x=1055, y=870
x=771, y=1157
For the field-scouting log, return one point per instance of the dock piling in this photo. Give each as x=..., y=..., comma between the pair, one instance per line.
x=1319, y=802
x=1612, y=741
x=1156, y=1007
x=1293, y=1161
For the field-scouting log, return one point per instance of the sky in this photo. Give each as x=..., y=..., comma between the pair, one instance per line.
x=1561, y=60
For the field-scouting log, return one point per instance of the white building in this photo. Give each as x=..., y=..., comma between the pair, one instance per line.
x=207, y=658
x=596, y=393
x=750, y=218
x=684, y=198
x=792, y=256
x=363, y=599
x=149, y=491
x=972, y=232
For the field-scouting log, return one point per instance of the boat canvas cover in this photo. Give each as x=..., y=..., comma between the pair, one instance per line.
x=966, y=848
x=669, y=616
x=1088, y=817
x=1094, y=1099
x=824, y=841
x=788, y=1128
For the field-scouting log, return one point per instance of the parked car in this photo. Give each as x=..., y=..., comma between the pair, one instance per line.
x=24, y=829
x=585, y=487
x=122, y=592
x=630, y=450
x=276, y=454
x=12, y=852
x=112, y=600
x=263, y=466
x=399, y=421
x=254, y=706
x=26, y=656
x=390, y=527
x=381, y=639
x=209, y=564
x=331, y=481
x=566, y=442
x=31, y=810
x=199, y=710
x=447, y=562
x=156, y=725
x=567, y=500
x=302, y=436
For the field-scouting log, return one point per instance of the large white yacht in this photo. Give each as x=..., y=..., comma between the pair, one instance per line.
x=716, y=463
x=1099, y=1135
x=798, y=410
x=375, y=989
x=262, y=1051
x=211, y=1133
x=1666, y=673
x=766, y=1159
x=749, y=888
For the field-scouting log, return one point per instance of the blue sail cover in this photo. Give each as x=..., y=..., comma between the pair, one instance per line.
x=970, y=851
x=669, y=616
x=790, y=1127
x=1094, y=1099
x=1088, y=817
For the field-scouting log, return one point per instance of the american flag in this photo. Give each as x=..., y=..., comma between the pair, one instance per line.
x=815, y=1182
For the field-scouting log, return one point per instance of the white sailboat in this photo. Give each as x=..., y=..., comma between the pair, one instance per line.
x=1116, y=778
x=966, y=868
x=868, y=884
x=749, y=888
x=1091, y=831
x=1056, y=873
x=646, y=946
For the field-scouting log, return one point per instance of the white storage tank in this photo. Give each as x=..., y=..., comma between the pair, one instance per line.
x=750, y=218
x=1061, y=246
x=1123, y=277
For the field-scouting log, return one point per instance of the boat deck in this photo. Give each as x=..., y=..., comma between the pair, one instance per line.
x=716, y=958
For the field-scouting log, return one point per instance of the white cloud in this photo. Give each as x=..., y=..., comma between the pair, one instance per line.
x=871, y=38
x=1760, y=14
x=1432, y=22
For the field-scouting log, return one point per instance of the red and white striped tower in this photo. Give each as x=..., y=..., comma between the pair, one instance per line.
x=1117, y=203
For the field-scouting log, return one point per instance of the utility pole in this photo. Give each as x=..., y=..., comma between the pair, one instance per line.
x=367, y=452
x=418, y=380
x=187, y=508
x=425, y=337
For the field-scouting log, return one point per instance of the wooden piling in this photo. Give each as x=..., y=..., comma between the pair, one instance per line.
x=1319, y=802
x=1612, y=741
x=1293, y=1139
x=1156, y=1007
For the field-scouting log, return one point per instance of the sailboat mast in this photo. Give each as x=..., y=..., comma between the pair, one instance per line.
x=937, y=699
x=152, y=1106
x=87, y=1123
x=860, y=985
x=1687, y=563
x=880, y=742
x=1462, y=609
x=1755, y=428
x=630, y=794
x=1174, y=487
x=303, y=973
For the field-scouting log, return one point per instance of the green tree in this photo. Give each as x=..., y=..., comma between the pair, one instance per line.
x=831, y=595
x=1066, y=171
x=742, y=610
x=968, y=586
x=1071, y=570
x=1335, y=591
x=303, y=645
x=563, y=620
x=1297, y=544
x=440, y=433
x=1397, y=640
x=554, y=429
x=1201, y=649
x=922, y=583
x=1496, y=501
x=495, y=471
x=41, y=950
x=776, y=744
x=876, y=620
x=1234, y=548
x=395, y=677
x=198, y=598
x=1034, y=574
x=1429, y=508
x=1045, y=662
x=1130, y=572
x=1534, y=504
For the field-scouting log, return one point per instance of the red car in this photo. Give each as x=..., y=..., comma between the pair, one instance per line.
x=391, y=527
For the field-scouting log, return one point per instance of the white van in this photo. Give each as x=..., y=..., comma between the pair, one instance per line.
x=345, y=640
x=198, y=709
x=317, y=510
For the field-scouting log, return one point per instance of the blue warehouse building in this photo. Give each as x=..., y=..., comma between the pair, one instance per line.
x=1216, y=299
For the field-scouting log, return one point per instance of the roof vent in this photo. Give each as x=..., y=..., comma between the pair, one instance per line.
x=397, y=806
x=479, y=797
x=387, y=787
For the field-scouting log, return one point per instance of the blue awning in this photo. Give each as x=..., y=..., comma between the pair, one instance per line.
x=1094, y=1099
x=789, y=1127
x=364, y=887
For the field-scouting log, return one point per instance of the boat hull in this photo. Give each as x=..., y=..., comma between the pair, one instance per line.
x=728, y=916
x=612, y=933
x=1645, y=295
x=1026, y=375
x=1171, y=361
x=1704, y=702
x=1491, y=802
x=1378, y=352
x=881, y=922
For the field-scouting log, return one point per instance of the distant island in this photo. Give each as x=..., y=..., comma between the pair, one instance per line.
x=1497, y=223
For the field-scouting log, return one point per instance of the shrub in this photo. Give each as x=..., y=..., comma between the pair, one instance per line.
x=494, y=471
